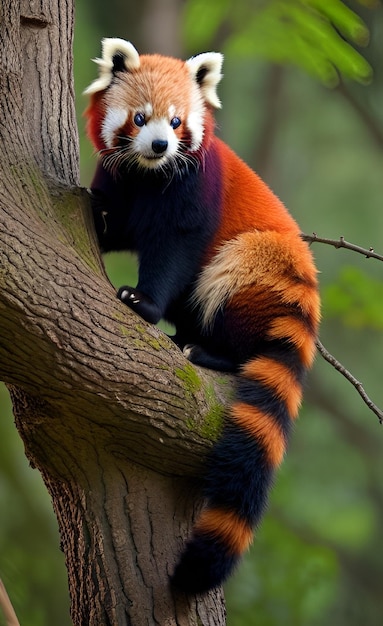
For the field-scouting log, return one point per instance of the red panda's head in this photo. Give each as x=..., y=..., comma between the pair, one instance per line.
x=150, y=110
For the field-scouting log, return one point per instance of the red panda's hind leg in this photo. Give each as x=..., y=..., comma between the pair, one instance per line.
x=199, y=356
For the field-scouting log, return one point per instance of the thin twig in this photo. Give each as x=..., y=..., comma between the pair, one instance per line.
x=356, y=383
x=342, y=243
x=6, y=605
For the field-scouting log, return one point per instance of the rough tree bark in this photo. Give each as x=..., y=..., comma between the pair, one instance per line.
x=109, y=411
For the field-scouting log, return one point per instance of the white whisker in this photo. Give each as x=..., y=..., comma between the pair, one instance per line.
x=123, y=157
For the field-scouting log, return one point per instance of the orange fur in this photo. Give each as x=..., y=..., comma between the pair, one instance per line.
x=280, y=262
x=227, y=527
x=271, y=214
x=262, y=427
x=255, y=286
x=295, y=331
x=278, y=378
x=137, y=88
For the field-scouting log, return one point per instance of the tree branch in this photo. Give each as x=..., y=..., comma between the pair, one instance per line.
x=6, y=605
x=342, y=243
x=370, y=253
x=110, y=411
x=355, y=383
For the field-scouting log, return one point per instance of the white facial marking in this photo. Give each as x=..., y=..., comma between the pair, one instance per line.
x=148, y=110
x=114, y=119
x=172, y=111
x=195, y=125
x=155, y=130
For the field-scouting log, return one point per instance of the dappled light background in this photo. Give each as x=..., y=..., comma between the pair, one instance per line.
x=317, y=559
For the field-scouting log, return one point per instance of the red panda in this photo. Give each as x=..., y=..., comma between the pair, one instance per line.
x=221, y=258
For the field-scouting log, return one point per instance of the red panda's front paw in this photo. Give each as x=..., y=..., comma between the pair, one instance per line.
x=129, y=296
x=140, y=303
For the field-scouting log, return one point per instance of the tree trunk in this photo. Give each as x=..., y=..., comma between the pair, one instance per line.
x=110, y=412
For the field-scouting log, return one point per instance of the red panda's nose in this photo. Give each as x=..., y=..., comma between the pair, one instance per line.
x=159, y=145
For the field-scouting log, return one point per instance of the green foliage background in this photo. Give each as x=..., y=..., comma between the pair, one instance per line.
x=317, y=559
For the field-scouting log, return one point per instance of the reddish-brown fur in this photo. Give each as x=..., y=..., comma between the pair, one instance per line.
x=136, y=88
x=261, y=427
x=256, y=273
x=227, y=527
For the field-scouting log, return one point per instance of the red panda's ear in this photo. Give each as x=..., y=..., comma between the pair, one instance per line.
x=206, y=68
x=118, y=55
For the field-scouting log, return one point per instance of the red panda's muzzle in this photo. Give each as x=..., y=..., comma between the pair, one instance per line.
x=159, y=146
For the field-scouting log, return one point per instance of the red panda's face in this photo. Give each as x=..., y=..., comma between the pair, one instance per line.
x=150, y=110
x=147, y=112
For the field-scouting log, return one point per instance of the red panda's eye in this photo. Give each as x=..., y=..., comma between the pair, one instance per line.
x=139, y=119
x=175, y=122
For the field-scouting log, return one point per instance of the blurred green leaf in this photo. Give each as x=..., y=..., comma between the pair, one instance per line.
x=306, y=33
x=201, y=21
x=356, y=299
x=348, y=23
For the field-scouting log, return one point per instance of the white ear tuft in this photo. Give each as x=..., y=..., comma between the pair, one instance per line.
x=206, y=71
x=118, y=55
